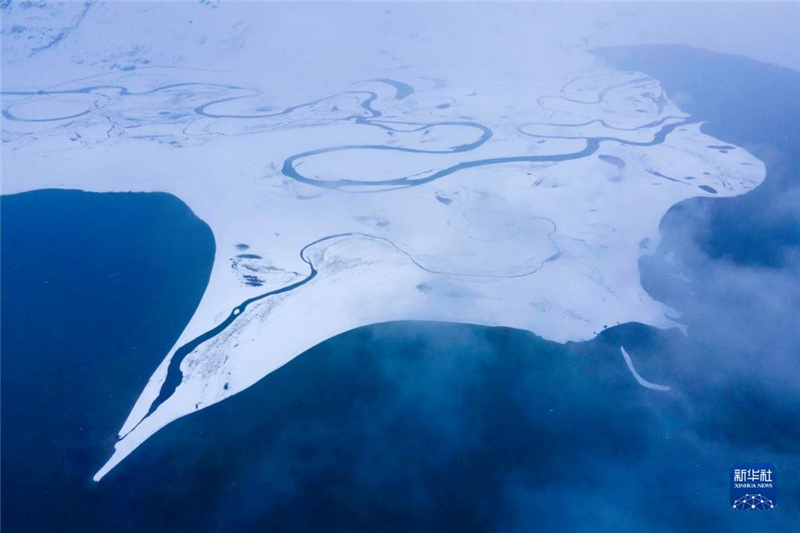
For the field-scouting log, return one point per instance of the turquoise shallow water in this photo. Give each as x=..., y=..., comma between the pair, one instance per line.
x=415, y=426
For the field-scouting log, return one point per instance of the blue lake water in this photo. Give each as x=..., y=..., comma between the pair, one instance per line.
x=416, y=426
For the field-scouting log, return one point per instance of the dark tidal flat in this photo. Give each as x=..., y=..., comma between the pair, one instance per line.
x=417, y=426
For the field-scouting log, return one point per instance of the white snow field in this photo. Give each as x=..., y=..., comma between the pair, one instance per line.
x=374, y=173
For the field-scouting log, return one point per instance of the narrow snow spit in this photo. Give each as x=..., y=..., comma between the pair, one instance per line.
x=639, y=379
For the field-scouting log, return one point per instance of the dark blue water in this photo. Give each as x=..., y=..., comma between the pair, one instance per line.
x=416, y=426
x=95, y=290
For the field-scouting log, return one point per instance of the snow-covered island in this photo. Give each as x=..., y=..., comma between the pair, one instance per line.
x=391, y=189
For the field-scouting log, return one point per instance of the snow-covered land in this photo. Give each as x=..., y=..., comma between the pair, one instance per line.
x=356, y=173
